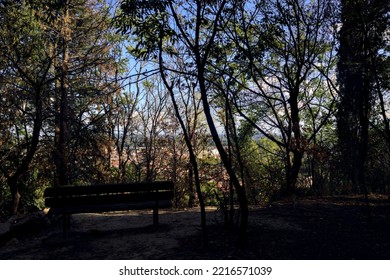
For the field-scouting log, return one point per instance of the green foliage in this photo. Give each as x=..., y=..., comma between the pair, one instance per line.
x=38, y=42
x=269, y=75
x=211, y=194
x=145, y=21
x=264, y=170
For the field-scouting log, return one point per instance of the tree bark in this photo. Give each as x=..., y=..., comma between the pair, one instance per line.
x=15, y=195
x=200, y=61
x=13, y=180
x=62, y=113
x=194, y=164
x=240, y=190
x=193, y=160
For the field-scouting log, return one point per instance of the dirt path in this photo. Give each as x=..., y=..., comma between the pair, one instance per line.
x=121, y=235
x=326, y=228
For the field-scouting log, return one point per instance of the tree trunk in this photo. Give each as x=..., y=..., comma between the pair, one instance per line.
x=62, y=117
x=15, y=195
x=297, y=145
x=191, y=198
x=187, y=139
x=195, y=168
x=295, y=169
x=13, y=180
x=355, y=80
x=240, y=190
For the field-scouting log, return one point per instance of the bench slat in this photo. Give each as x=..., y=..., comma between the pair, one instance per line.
x=107, y=199
x=108, y=188
x=111, y=207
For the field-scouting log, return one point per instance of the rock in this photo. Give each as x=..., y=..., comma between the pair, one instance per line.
x=4, y=228
x=46, y=211
x=28, y=223
x=13, y=219
x=18, y=226
x=12, y=242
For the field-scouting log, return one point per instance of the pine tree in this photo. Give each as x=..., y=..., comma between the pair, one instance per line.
x=361, y=37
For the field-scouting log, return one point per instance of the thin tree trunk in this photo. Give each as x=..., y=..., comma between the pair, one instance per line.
x=191, y=198
x=195, y=167
x=13, y=180
x=297, y=149
x=62, y=118
x=240, y=190
x=15, y=195
x=187, y=139
x=194, y=164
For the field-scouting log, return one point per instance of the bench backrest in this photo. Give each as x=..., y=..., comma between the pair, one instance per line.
x=152, y=192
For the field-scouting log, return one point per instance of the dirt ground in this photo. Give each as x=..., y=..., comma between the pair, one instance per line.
x=310, y=228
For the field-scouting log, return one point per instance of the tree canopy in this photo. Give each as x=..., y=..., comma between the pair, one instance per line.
x=238, y=102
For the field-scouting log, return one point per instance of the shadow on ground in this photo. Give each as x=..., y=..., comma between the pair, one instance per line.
x=313, y=228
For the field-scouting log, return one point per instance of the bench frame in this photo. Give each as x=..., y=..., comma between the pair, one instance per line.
x=67, y=200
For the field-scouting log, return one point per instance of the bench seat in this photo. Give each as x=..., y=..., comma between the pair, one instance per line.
x=67, y=200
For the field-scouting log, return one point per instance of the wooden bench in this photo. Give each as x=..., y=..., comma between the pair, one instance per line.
x=67, y=200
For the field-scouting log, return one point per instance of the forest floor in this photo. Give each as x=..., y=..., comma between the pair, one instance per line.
x=308, y=229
